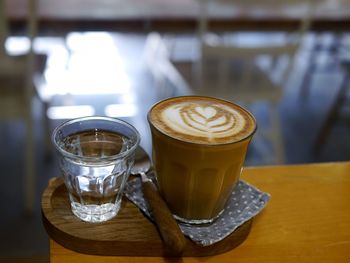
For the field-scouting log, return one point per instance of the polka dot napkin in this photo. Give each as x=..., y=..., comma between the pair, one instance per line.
x=245, y=202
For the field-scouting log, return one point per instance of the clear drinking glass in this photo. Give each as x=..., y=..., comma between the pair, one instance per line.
x=95, y=157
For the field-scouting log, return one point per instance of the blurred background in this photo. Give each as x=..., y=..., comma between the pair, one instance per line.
x=288, y=63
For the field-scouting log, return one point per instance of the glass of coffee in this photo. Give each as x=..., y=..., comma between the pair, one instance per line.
x=95, y=157
x=199, y=147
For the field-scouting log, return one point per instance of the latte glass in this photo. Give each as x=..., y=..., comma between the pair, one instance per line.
x=95, y=156
x=196, y=174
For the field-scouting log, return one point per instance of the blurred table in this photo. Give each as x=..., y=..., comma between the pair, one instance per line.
x=168, y=15
x=306, y=220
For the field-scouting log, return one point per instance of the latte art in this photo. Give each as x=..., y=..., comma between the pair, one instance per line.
x=212, y=122
x=202, y=120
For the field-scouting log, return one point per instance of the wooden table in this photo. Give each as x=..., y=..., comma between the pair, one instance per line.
x=169, y=15
x=306, y=220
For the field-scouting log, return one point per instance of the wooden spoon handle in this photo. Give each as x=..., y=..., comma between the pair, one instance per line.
x=168, y=228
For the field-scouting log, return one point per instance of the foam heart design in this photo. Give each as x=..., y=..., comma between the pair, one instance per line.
x=208, y=123
x=207, y=112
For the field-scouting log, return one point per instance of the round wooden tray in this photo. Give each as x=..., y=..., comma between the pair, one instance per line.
x=130, y=233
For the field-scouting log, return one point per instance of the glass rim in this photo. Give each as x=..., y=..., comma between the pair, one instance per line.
x=102, y=158
x=247, y=137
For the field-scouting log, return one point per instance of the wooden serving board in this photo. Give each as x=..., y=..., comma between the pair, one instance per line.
x=130, y=233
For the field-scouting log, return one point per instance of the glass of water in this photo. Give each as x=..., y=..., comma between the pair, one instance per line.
x=95, y=157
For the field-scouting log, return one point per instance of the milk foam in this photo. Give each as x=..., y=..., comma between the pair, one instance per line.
x=199, y=119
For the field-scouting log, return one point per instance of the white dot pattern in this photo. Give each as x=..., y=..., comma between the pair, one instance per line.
x=245, y=202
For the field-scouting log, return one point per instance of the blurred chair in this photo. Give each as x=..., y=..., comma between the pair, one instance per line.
x=16, y=92
x=337, y=110
x=168, y=81
x=248, y=68
x=325, y=50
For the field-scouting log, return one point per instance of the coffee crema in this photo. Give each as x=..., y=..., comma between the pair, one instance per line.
x=202, y=120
